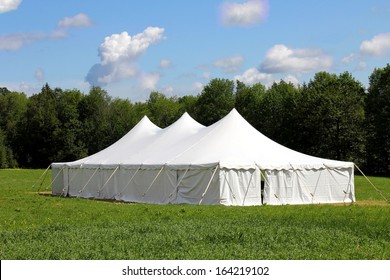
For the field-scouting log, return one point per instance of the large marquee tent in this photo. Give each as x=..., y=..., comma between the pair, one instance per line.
x=229, y=163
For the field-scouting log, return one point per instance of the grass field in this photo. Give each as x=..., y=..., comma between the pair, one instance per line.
x=36, y=226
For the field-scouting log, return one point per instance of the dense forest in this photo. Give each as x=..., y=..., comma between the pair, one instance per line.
x=331, y=116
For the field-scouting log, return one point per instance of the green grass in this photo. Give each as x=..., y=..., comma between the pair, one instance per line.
x=34, y=226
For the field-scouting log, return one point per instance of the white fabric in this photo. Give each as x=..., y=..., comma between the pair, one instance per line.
x=176, y=165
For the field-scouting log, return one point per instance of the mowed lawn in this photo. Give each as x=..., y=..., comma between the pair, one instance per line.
x=39, y=226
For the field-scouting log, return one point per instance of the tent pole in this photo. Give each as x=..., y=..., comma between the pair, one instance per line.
x=154, y=180
x=112, y=174
x=128, y=183
x=208, y=185
x=371, y=183
x=80, y=191
x=43, y=174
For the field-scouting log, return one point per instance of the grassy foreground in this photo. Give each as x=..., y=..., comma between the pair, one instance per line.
x=34, y=226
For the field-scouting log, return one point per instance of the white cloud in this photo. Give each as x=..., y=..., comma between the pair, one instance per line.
x=9, y=5
x=168, y=90
x=361, y=66
x=165, y=63
x=379, y=45
x=206, y=75
x=149, y=80
x=291, y=79
x=123, y=46
x=244, y=14
x=230, y=64
x=281, y=59
x=253, y=76
x=39, y=75
x=349, y=58
x=198, y=86
x=15, y=41
x=79, y=20
x=118, y=54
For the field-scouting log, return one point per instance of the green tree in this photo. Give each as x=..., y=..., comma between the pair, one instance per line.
x=121, y=118
x=3, y=151
x=41, y=128
x=94, y=114
x=331, y=110
x=277, y=113
x=378, y=121
x=248, y=100
x=215, y=101
x=164, y=111
x=13, y=106
x=188, y=104
x=70, y=141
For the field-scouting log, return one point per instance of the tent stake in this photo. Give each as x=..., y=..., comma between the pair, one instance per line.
x=371, y=183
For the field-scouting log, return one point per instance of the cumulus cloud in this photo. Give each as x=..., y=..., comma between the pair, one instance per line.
x=118, y=54
x=79, y=20
x=123, y=46
x=244, y=14
x=379, y=45
x=230, y=64
x=281, y=59
x=253, y=76
x=9, y=5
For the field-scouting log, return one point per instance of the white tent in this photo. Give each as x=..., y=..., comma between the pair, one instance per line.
x=225, y=163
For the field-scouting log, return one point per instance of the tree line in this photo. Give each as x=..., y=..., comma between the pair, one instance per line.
x=331, y=116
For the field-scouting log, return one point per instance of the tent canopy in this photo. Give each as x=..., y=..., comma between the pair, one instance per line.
x=230, y=145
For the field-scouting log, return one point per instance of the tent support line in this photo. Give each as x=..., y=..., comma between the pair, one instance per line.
x=208, y=185
x=90, y=178
x=57, y=177
x=247, y=188
x=371, y=183
x=349, y=182
x=230, y=187
x=76, y=173
x=178, y=183
x=105, y=184
x=44, y=176
x=154, y=180
x=128, y=183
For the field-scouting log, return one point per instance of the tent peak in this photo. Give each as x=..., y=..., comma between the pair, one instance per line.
x=186, y=121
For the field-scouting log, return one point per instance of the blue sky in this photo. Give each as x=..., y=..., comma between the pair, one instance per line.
x=131, y=48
